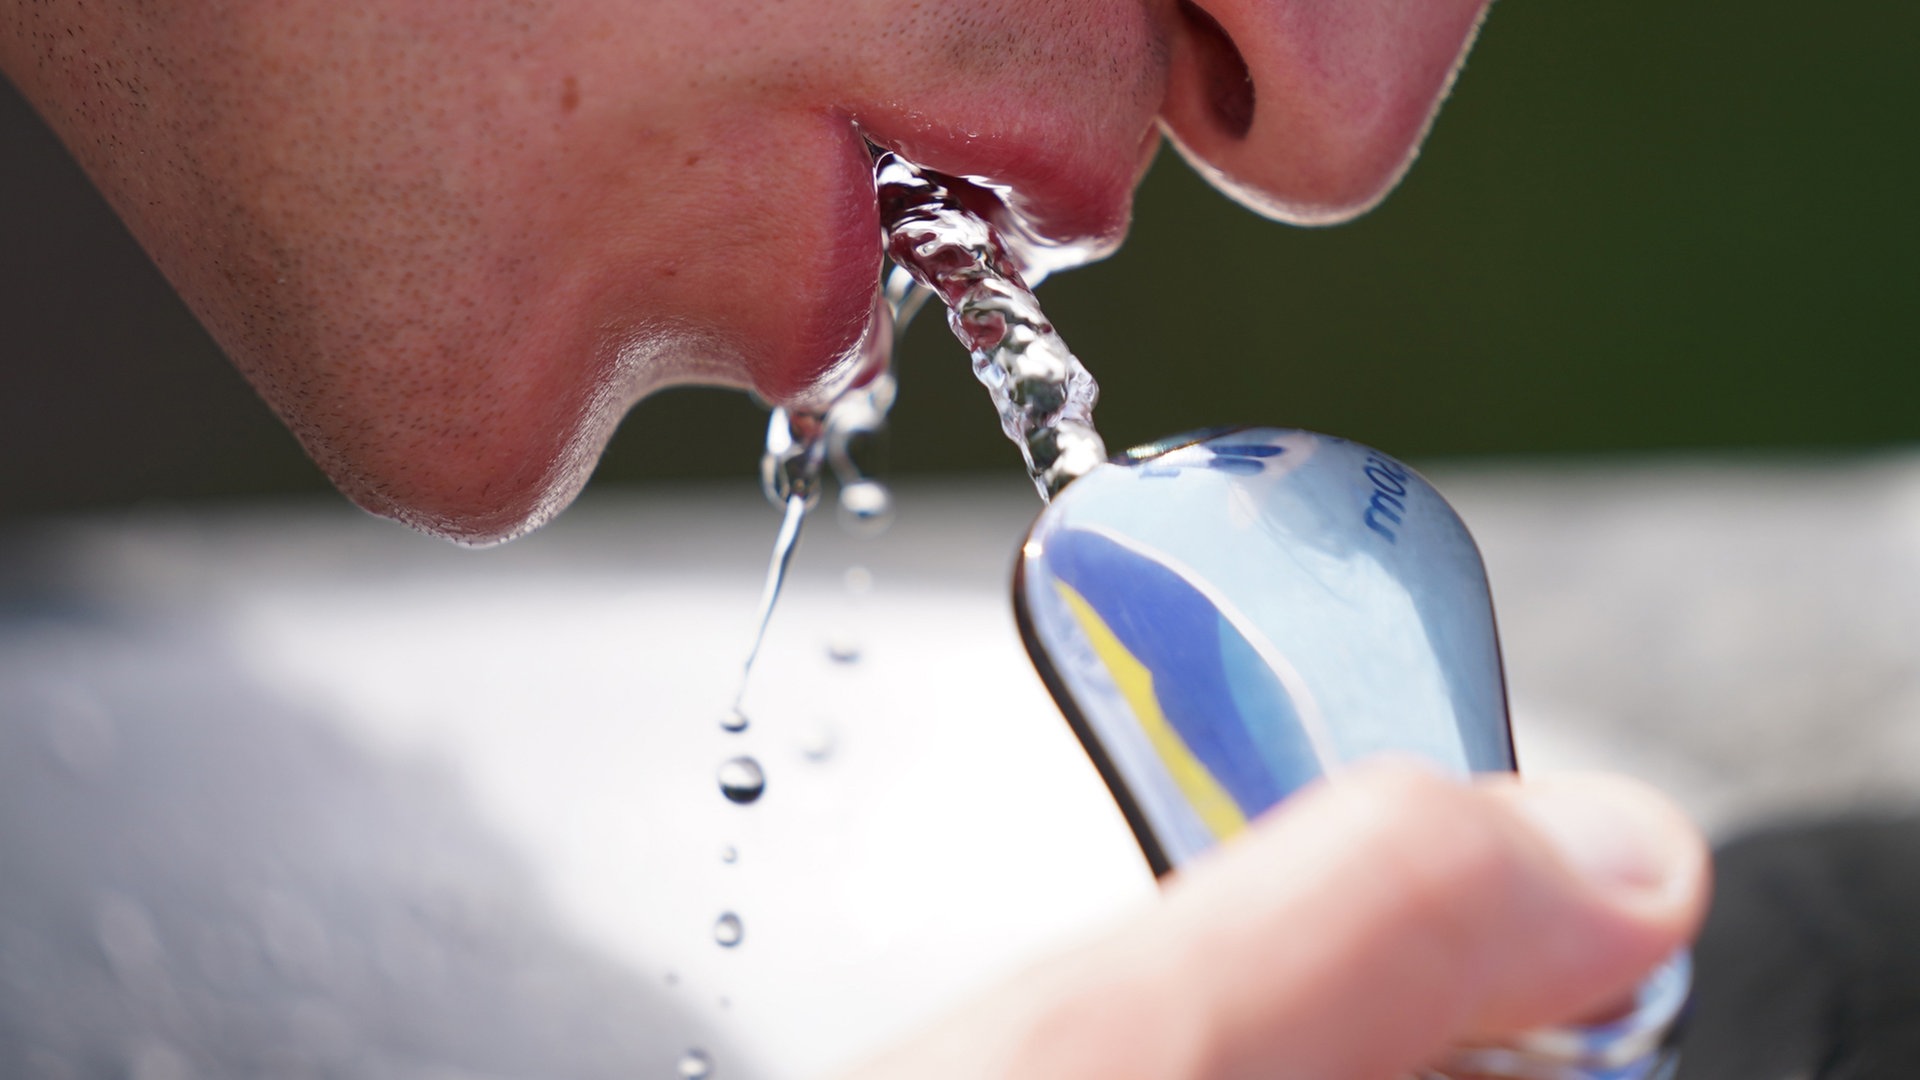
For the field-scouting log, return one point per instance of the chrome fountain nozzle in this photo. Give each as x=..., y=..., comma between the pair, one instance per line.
x=1227, y=616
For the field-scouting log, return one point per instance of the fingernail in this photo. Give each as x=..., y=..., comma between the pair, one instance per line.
x=1621, y=838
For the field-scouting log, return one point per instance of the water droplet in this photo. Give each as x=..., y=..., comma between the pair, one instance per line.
x=728, y=930
x=734, y=721
x=741, y=779
x=843, y=650
x=784, y=546
x=858, y=580
x=729, y=854
x=695, y=1065
x=866, y=507
x=818, y=741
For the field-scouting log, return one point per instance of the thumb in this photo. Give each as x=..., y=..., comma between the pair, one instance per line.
x=1356, y=933
x=1369, y=926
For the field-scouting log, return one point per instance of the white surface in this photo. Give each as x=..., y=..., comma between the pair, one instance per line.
x=532, y=732
x=953, y=830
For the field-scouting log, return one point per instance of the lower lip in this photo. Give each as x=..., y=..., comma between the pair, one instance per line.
x=1064, y=204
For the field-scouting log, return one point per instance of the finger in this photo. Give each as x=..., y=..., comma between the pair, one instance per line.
x=1383, y=918
x=1356, y=933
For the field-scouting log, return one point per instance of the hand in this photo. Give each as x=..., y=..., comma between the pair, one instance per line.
x=1355, y=934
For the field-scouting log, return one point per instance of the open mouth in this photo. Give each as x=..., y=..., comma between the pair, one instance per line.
x=1034, y=253
x=1024, y=245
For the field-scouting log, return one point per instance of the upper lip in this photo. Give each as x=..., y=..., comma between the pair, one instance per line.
x=1068, y=198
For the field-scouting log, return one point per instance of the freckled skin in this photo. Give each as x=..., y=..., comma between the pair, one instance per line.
x=451, y=241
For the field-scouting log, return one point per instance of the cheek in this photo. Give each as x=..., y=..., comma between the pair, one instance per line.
x=742, y=253
x=451, y=268
x=451, y=278
x=751, y=241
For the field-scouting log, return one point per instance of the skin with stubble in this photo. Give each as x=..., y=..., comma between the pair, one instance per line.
x=451, y=242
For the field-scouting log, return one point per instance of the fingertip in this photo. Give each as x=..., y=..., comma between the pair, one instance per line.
x=1436, y=911
x=1623, y=878
x=1621, y=839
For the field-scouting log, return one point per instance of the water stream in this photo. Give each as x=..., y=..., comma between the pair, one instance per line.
x=942, y=246
x=956, y=240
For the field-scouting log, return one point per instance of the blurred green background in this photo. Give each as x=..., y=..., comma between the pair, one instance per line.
x=1637, y=227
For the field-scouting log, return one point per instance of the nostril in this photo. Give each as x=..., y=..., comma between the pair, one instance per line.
x=1228, y=82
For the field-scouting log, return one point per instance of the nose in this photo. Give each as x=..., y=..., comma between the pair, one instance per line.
x=1309, y=110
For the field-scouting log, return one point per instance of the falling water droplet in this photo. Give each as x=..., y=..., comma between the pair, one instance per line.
x=818, y=740
x=842, y=649
x=858, y=580
x=741, y=779
x=784, y=546
x=695, y=1065
x=728, y=930
x=729, y=854
x=734, y=721
x=866, y=507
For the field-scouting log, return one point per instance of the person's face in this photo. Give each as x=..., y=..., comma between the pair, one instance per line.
x=452, y=241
